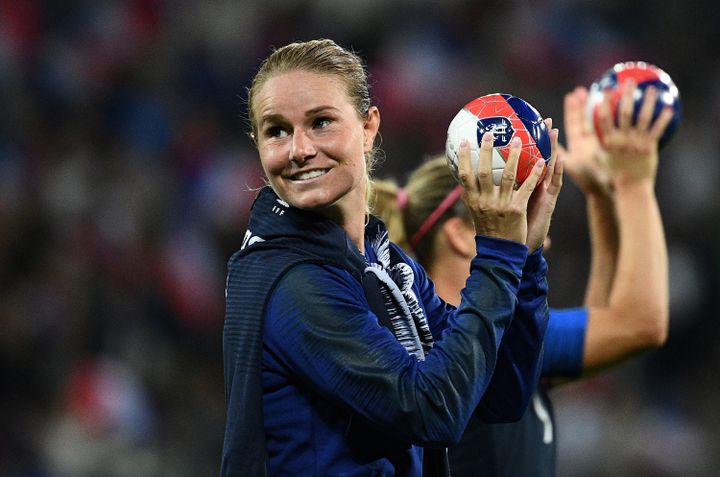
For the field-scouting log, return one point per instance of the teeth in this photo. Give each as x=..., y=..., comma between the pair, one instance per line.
x=303, y=176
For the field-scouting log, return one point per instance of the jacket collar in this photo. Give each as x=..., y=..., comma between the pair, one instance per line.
x=275, y=224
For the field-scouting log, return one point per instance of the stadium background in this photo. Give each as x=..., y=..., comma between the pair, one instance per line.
x=124, y=188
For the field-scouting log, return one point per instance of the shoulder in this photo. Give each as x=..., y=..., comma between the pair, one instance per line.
x=311, y=297
x=316, y=285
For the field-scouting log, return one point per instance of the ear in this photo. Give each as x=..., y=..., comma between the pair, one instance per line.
x=460, y=237
x=371, y=127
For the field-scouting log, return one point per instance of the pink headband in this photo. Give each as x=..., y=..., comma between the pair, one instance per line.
x=402, y=198
x=446, y=203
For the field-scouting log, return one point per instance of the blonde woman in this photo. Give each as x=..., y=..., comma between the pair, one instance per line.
x=340, y=358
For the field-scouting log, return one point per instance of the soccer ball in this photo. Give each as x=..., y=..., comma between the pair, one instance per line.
x=644, y=75
x=506, y=116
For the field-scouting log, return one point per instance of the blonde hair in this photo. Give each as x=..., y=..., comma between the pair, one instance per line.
x=427, y=187
x=324, y=57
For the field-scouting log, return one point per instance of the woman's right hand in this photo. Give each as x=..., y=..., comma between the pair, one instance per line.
x=498, y=211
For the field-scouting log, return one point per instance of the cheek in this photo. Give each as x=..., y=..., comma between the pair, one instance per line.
x=356, y=166
x=272, y=160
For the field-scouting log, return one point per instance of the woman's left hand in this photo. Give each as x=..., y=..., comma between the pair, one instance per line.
x=543, y=200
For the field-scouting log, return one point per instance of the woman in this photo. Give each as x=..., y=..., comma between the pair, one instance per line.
x=339, y=357
x=623, y=313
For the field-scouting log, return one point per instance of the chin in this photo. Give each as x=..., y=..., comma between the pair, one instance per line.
x=312, y=201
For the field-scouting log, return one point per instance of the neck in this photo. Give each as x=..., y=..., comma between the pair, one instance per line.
x=354, y=226
x=349, y=213
x=449, y=273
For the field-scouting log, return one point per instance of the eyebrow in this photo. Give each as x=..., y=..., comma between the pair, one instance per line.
x=277, y=118
x=319, y=109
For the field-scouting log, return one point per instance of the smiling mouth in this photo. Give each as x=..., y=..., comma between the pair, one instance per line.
x=307, y=175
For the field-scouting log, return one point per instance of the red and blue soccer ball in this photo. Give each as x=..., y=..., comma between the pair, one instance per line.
x=506, y=116
x=644, y=74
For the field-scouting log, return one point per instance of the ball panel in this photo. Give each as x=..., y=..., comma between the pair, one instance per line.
x=499, y=158
x=639, y=71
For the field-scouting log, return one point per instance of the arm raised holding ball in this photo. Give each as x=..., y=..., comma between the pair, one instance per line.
x=519, y=213
x=628, y=300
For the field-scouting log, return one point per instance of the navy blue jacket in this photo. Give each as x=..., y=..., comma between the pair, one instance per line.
x=315, y=385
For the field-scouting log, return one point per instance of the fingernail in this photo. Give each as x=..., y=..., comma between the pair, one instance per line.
x=463, y=142
x=488, y=137
x=516, y=141
x=539, y=164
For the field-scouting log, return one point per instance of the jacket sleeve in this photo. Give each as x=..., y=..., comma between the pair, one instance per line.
x=318, y=326
x=565, y=343
x=520, y=354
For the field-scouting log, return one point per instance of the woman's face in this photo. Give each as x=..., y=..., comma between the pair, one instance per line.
x=312, y=142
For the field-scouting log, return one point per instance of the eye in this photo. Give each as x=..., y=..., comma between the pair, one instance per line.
x=275, y=132
x=321, y=123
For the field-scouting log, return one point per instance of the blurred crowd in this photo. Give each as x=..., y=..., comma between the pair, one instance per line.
x=126, y=177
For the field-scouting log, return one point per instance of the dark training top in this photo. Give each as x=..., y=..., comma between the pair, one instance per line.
x=319, y=381
x=527, y=448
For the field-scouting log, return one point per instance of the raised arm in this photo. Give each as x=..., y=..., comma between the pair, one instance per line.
x=318, y=326
x=520, y=354
x=586, y=164
x=627, y=296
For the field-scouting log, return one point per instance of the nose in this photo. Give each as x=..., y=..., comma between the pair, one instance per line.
x=302, y=147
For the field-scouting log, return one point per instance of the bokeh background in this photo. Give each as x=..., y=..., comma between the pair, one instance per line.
x=126, y=177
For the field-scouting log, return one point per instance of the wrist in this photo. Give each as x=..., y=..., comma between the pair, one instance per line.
x=630, y=183
x=634, y=174
x=598, y=191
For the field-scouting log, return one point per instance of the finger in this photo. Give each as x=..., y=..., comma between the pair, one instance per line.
x=465, y=172
x=575, y=121
x=582, y=119
x=627, y=103
x=554, y=149
x=507, y=182
x=526, y=189
x=556, y=180
x=605, y=119
x=572, y=128
x=561, y=150
x=548, y=123
x=647, y=108
x=660, y=124
x=553, y=143
x=484, y=172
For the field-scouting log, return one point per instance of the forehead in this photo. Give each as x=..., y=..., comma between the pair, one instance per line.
x=300, y=88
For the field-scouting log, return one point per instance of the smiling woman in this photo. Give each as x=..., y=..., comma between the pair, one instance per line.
x=339, y=357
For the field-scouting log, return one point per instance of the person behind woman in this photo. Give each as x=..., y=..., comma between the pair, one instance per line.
x=626, y=302
x=339, y=357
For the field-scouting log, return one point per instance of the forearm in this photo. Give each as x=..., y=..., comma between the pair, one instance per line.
x=520, y=355
x=604, y=242
x=636, y=317
x=641, y=283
